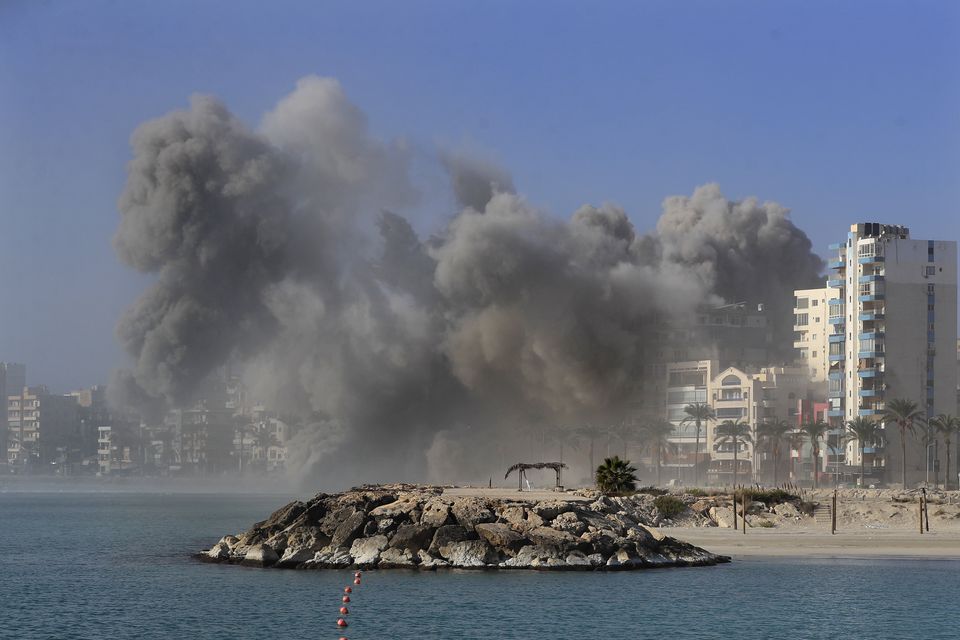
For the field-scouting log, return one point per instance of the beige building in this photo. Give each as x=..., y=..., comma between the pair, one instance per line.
x=754, y=397
x=811, y=329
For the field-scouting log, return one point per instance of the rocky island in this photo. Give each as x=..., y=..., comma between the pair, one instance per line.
x=412, y=526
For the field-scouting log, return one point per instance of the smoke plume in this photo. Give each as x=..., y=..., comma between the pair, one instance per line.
x=407, y=357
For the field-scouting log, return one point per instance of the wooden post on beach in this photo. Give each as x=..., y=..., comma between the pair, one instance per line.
x=926, y=512
x=734, y=507
x=921, y=515
x=833, y=525
x=743, y=503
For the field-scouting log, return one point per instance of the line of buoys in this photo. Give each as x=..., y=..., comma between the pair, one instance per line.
x=341, y=622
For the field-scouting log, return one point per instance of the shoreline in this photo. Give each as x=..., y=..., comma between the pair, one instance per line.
x=815, y=543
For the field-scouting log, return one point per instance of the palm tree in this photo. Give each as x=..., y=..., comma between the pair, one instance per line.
x=565, y=437
x=795, y=439
x=774, y=434
x=947, y=425
x=698, y=413
x=616, y=476
x=735, y=432
x=625, y=432
x=906, y=413
x=590, y=434
x=864, y=430
x=656, y=437
x=814, y=431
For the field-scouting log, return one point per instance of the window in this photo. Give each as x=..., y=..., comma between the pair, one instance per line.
x=814, y=354
x=731, y=380
x=802, y=303
x=815, y=303
x=931, y=271
x=801, y=320
x=930, y=288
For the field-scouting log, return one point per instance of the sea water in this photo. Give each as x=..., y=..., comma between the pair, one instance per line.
x=94, y=565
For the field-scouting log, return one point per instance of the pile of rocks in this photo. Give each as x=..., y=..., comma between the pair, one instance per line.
x=403, y=526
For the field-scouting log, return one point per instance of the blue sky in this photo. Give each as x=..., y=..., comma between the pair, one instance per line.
x=842, y=111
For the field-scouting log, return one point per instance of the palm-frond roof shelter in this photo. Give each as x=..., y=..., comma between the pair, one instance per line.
x=521, y=469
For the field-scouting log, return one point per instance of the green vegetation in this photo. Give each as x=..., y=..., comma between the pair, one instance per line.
x=669, y=506
x=734, y=432
x=864, y=431
x=616, y=476
x=698, y=413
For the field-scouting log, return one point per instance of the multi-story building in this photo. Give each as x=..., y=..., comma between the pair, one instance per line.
x=753, y=396
x=13, y=378
x=41, y=427
x=894, y=333
x=811, y=330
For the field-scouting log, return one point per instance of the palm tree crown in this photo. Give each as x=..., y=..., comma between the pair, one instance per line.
x=656, y=439
x=616, y=476
x=735, y=432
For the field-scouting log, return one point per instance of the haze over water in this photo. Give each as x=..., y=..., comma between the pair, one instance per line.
x=117, y=566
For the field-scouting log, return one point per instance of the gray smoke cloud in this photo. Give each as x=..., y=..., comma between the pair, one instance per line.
x=406, y=357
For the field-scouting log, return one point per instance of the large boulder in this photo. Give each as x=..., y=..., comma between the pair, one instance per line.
x=470, y=511
x=401, y=507
x=294, y=557
x=520, y=517
x=569, y=522
x=723, y=516
x=550, y=509
x=412, y=537
x=469, y=553
x=537, y=556
x=545, y=536
x=435, y=513
x=260, y=555
x=786, y=510
x=448, y=534
x=501, y=537
x=332, y=558
x=333, y=519
x=219, y=551
x=349, y=529
x=395, y=559
x=366, y=551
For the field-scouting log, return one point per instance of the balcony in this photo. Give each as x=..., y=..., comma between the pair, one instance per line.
x=835, y=375
x=837, y=320
x=836, y=393
x=834, y=413
x=837, y=337
x=870, y=354
x=871, y=372
x=870, y=412
x=870, y=278
x=868, y=316
x=869, y=259
x=836, y=357
x=836, y=284
x=873, y=297
x=871, y=335
x=870, y=393
x=836, y=263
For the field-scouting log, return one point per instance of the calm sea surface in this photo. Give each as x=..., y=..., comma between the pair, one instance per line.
x=117, y=566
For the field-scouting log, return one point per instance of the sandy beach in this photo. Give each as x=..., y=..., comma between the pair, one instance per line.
x=816, y=543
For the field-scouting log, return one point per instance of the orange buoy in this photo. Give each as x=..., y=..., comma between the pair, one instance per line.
x=344, y=610
x=356, y=575
x=356, y=581
x=347, y=590
x=341, y=622
x=346, y=598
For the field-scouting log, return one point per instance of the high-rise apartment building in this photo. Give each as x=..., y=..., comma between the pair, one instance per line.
x=38, y=423
x=13, y=378
x=894, y=332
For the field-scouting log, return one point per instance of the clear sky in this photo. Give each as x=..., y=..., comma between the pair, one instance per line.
x=843, y=111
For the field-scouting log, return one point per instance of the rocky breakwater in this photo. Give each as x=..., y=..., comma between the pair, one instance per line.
x=402, y=526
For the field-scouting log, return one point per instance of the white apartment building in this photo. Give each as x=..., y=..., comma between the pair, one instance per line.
x=894, y=332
